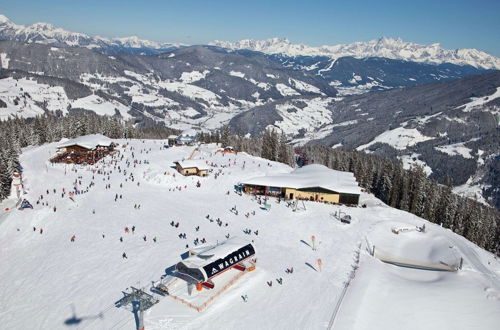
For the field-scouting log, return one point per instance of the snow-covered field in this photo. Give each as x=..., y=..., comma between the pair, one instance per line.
x=43, y=275
x=398, y=138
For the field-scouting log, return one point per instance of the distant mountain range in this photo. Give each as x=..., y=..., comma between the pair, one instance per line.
x=47, y=34
x=382, y=47
x=415, y=108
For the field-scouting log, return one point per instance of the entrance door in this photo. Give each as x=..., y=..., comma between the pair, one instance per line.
x=291, y=195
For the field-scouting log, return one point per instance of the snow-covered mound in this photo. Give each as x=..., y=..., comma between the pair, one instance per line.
x=381, y=47
x=413, y=246
x=43, y=274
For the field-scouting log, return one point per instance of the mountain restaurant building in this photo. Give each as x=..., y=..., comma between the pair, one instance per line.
x=311, y=182
x=86, y=149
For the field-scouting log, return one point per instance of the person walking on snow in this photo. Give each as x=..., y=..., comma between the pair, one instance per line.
x=124, y=256
x=73, y=238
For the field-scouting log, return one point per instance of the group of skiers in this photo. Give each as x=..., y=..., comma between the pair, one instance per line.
x=248, y=231
x=280, y=279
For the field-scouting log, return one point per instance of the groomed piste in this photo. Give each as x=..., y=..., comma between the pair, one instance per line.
x=132, y=217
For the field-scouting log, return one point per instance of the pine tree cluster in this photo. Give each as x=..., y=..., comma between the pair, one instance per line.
x=19, y=133
x=271, y=145
x=411, y=190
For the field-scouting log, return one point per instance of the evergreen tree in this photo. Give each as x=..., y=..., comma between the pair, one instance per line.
x=224, y=140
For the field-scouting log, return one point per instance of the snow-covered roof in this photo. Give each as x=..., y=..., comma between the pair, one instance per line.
x=310, y=176
x=199, y=164
x=189, y=132
x=172, y=137
x=215, y=252
x=88, y=141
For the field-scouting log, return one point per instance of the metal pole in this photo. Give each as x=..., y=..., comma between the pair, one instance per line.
x=141, y=319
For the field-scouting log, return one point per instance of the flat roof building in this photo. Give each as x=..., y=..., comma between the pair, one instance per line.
x=311, y=182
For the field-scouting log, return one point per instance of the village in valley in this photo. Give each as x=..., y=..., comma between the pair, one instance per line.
x=174, y=233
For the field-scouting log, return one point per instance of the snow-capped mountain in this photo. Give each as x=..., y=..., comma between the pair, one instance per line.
x=45, y=33
x=382, y=47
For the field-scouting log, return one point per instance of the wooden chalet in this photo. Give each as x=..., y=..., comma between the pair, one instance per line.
x=87, y=149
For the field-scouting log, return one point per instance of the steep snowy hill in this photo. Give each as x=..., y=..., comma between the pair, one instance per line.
x=382, y=47
x=47, y=34
x=47, y=281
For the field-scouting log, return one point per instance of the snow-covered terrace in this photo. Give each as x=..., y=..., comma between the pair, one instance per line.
x=311, y=176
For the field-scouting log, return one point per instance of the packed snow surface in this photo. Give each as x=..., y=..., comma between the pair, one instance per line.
x=398, y=138
x=44, y=275
x=286, y=90
x=456, y=149
x=409, y=160
x=101, y=106
x=478, y=102
x=294, y=118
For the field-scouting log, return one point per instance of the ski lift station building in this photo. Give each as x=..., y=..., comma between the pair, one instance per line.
x=311, y=182
x=203, y=266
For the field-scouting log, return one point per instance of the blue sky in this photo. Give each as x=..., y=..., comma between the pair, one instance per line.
x=454, y=24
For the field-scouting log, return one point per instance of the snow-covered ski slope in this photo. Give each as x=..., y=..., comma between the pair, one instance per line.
x=43, y=276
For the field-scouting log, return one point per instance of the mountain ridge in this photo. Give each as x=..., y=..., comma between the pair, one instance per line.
x=391, y=48
x=48, y=34
x=381, y=47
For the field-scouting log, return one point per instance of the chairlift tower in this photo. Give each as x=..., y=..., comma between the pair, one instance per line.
x=140, y=301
